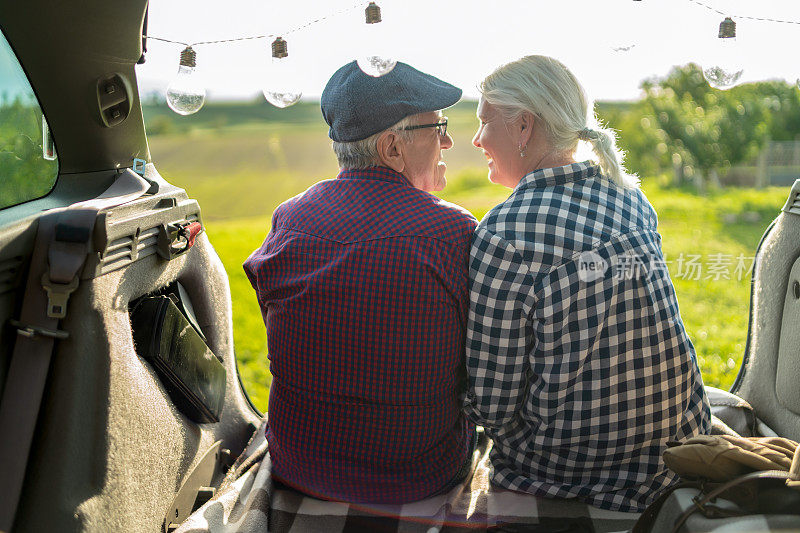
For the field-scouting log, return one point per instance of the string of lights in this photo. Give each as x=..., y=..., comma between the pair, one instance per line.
x=743, y=17
x=722, y=70
x=164, y=40
x=268, y=36
x=186, y=95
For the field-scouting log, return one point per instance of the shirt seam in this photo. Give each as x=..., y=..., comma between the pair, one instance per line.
x=351, y=400
x=374, y=239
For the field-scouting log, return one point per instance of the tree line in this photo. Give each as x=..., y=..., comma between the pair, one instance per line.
x=682, y=125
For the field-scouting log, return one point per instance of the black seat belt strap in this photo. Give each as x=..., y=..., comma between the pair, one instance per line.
x=63, y=240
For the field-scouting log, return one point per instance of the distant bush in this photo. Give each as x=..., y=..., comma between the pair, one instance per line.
x=684, y=125
x=160, y=125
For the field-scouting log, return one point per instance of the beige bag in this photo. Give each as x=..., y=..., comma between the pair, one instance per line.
x=751, y=472
x=724, y=457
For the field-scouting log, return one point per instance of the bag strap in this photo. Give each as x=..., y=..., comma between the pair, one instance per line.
x=647, y=519
x=701, y=502
x=63, y=241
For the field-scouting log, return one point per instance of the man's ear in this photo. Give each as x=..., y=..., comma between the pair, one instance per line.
x=526, y=123
x=390, y=151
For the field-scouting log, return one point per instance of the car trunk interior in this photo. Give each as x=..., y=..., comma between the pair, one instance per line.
x=771, y=366
x=111, y=450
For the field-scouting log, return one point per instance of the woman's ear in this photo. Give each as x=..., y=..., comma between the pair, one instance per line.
x=526, y=123
x=390, y=151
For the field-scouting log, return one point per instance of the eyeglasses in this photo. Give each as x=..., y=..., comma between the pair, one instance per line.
x=440, y=126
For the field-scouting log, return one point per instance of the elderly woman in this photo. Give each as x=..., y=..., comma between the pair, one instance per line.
x=579, y=365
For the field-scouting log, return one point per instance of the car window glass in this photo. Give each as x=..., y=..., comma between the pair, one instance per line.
x=27, y=171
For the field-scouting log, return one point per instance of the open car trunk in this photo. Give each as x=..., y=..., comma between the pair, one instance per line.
x=112, y=450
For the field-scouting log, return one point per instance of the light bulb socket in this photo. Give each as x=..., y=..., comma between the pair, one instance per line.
x=727, y=28
x=372, y=13
x=279, y=48
x=188, y=57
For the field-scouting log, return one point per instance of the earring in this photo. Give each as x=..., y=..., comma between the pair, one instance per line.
x=521, y=151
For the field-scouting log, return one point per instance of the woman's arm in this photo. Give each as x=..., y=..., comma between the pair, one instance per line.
x=498, y=336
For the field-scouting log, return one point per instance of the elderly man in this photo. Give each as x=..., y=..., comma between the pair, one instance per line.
x=362, y=283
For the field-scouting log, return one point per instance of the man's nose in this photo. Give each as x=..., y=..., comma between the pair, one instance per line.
x=447, y=142
x=475, y=142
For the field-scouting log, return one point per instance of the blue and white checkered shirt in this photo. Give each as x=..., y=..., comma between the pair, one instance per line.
x=579, y=365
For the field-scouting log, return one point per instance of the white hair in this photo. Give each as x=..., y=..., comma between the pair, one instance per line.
x=364, y=153
x=545, y=87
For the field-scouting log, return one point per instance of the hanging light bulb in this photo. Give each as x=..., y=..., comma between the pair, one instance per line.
x=186, y=95
x=377, y=61
x=281, y=86
x=723, y=69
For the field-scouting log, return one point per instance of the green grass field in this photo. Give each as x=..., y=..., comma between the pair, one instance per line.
x=240, y=173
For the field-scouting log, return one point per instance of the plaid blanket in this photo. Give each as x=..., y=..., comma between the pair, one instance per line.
x=249, y=501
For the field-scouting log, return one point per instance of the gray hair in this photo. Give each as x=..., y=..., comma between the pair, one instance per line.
x=545, y=87
x=364, y=153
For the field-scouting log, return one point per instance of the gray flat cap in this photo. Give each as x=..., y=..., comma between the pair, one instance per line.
x=356, y=105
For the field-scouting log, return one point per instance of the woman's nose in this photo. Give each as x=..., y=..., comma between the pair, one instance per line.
x=475, y=141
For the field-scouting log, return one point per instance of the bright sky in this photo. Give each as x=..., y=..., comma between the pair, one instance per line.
x=461, y=41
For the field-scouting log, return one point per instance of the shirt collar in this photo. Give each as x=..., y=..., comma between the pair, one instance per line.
x=550, y=177
x=373, y=173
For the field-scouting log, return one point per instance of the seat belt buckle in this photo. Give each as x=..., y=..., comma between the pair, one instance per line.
x=58, y=295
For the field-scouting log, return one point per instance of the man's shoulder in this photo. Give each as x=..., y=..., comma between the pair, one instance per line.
x=440, y=209
x=427, y=215
x=300, y=201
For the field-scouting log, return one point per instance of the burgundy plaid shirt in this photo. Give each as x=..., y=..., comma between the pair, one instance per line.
x=362, y=283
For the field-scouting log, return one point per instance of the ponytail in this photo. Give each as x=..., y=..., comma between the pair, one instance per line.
x=603, y=142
